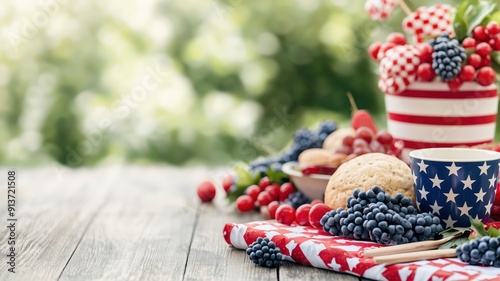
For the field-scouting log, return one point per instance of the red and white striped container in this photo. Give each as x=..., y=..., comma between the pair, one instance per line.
x=430, y=115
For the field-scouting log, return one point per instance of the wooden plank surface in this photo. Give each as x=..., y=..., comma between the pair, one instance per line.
x=290, y=271
x=52, y=216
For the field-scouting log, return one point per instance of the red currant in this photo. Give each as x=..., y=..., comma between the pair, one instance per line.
x=455, y=84
x=263, y=183
x=485, y=76
x=272, y=207
x=483, y=49
x=467, y=73
x=397, y=148
x=469, y=43
x=493, y=28
x=425, y=52
x=376, y=146
x=302, y=214
x=384, y=137
x=316, y=213
x=495, y=43
x=396, y=38
x=347, y=141
x=274, y=191
x=253, y=191
x=316, y=201
x=384, y=48
x=227, y=182
x=374, y=49
x=479, y=33
x=360, y=143
x=364, y=133
x=285, y=190
x=474, y=60
x=264, y=198
x=244, y=203
x=344, y=149
x=486, y=61
x=425, y=72
x=206, y=191
x=285, y=214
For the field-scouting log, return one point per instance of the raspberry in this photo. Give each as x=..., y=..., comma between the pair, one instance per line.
x=447, y=57
x=264, y=252
x=479, y=33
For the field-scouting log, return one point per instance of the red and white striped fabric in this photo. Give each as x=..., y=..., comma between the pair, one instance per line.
x=314, y=247
x=429, y=21
x=430, y=115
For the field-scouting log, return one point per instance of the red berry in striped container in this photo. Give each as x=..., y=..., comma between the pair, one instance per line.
x=429, y=21
x=380, y=9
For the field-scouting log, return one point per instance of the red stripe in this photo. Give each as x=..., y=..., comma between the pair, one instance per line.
x=449, y=94
x=420, y=144
x=443, y=120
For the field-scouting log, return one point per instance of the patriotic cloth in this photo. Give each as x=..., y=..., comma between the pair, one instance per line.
x=455, y=190
x=429, y=22
x=380, y=9
x=398, y=69
x=316, y=248
x=428, y=114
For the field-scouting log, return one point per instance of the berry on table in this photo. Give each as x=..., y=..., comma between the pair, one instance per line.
x=227, y=182
x=206, y=191
x=264, y=252
x=297, y=199
x=274, y=191
x=302, y=214
x=493, y=28
x=467, y=73
x=374, y=49
x=364, y=133
x=396, y=38
x=479, y=33
x=253, y=191
x=285, y=214
x=475, y=60
x=263, y=183
x=480, y=251
x=485, y=76
x=264, y=198
x=425, y=72
x=483, y=49
x=245, y=203
x=316, y=212
x=316, y=201
x=272, y=207
x=469, y=43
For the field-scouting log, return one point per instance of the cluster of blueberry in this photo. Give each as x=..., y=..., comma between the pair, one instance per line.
x=447, y=57
x=303, y=139
x=375, y=216
x=297, y=199
x=264, y=252
x=483, y=251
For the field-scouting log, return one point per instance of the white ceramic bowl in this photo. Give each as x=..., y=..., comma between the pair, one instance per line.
x=313, y=186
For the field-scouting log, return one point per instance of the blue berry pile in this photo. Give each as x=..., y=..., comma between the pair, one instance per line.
x=375, y=216
x=264, y=252
x=447, y=57
x=297, y=199
x=482, y=251
x=303, y=139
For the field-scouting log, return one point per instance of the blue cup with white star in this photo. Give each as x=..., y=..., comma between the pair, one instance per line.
x=455, y=183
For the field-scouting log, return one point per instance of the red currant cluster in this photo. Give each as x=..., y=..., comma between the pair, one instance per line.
x=262, y=194
x=307, y=214
x=377, y=50
x=366, y=141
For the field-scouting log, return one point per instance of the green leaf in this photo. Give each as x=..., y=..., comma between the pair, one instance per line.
x=493, y=232
x=277, y=176
x=478, y=14
x=464, y=231
x=478, y=227
x=245, y=179
x=459, y=23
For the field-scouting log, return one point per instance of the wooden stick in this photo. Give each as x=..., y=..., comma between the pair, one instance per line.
x=416, y=256
x=405, y=7
x=407, y=248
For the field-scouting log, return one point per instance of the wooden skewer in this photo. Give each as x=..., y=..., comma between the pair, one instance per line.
x=405, y=7
x=416, y=256
x=407, y=248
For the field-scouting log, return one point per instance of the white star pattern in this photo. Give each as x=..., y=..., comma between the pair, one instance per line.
x=352, y=262
x=488, y=208
x=404, y=273
x=464, y=210
x=449, y=222
x=334, y=265
x=484, y=169
x=468, y=182
x=436, y=208
x=480, y=195
x=423, y=193
x=453, y=169
x=450, y=196
x=436, y=182
x=423, y=166
x=414, y=177
x=492, y=181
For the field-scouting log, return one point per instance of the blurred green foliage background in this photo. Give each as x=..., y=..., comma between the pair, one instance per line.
x=182, y=82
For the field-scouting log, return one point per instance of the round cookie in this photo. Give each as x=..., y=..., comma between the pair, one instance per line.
x=365, y=171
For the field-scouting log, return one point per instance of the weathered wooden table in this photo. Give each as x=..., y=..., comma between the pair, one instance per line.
x=126, y=223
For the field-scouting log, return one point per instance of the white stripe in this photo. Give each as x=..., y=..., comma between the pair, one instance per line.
x=441, y=107
x=441, y=134
x=440, y=86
